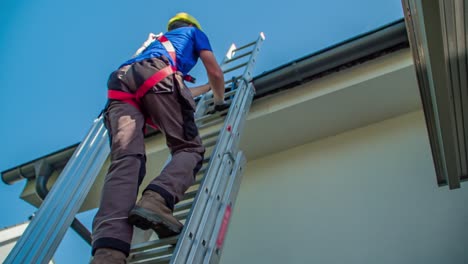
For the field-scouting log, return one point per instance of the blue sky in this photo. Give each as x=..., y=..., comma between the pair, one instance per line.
x=56, y=57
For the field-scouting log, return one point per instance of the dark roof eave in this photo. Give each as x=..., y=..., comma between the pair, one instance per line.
x=287, y=75
x=351, y=50
x=26, y=170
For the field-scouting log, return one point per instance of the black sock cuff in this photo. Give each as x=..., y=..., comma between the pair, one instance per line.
x=110, y=242
x=170, y=201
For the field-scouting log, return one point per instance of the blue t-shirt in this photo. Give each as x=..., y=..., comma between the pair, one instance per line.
x=187, y=41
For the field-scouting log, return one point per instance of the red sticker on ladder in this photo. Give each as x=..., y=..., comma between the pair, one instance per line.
x=223, y=228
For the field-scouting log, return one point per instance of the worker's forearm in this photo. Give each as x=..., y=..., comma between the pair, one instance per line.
x=199, y=90
x=217, y=86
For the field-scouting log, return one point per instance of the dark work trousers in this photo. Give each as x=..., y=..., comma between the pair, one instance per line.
x=170, y=106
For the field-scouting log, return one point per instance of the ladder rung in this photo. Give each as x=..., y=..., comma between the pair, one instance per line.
x=210, y=143
x=230, y=93
x=238, y=57
x=182, y=216
x=182, y=206
x=211, y=117
x=235, y=68
x=231, y=79
x=245, y=46
x=151, y=253
x=190, y=195
x=160, y=259
x=215, y=121
x=210, y=135
x=207, y=159
x=154, y=244
x=198, y=181
x=211, y=106
x=227, y=101
x=202, y=170
x=184, y=199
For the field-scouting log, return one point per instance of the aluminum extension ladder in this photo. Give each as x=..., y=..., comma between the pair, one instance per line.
x=206, y=207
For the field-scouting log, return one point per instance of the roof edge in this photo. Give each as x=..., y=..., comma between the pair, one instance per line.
x=27, y=169
x=358, y=47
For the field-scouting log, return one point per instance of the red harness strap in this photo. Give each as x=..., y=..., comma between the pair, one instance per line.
x=153, y=80
x=135, y=99
x=123, y=96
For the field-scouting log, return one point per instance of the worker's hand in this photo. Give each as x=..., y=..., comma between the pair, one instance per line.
x=219, y=107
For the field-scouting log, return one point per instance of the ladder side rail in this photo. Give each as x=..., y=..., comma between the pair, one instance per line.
x=45, y=222
x=205, y=228
x=248, y=75
x=71, y=202
x=224, y=136
x=37, y=225
x=208, y=215
x=239, y=125
x=216, y=242
x=202, y=233
x=79, y=195
x=199, y=203
x=191, y=225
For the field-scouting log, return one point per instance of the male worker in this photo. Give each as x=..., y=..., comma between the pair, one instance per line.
x=150, y=88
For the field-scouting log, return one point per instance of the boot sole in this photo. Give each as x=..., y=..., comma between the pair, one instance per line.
x=145, y=220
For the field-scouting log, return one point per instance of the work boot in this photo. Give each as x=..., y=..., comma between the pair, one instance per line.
x=152, y=212
x=108, y=256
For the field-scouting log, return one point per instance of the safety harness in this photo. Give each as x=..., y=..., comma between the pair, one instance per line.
x=135, y=98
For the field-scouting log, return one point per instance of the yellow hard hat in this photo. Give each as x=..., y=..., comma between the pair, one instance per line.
x=185, y=18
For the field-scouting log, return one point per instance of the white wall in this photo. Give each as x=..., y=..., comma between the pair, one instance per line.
x=8, y=238
x=364, y=196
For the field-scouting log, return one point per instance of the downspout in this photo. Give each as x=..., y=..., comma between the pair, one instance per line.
x=43, y=173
